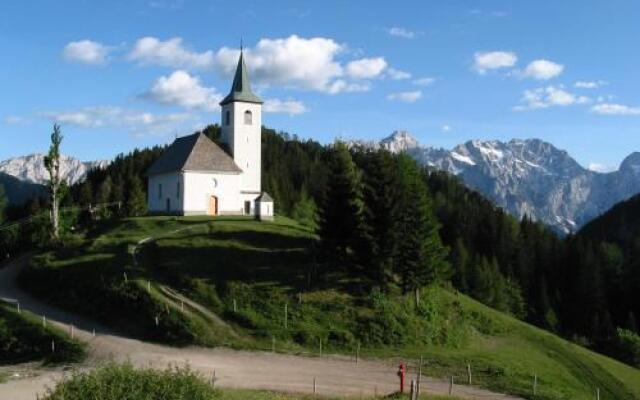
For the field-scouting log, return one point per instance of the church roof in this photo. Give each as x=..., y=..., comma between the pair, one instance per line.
x=241, y=88
x=265, y=198
x=193, y=153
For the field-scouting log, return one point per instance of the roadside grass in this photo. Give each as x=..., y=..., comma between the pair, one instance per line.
x=123, y=381
x=249, y=272
x=23, y=339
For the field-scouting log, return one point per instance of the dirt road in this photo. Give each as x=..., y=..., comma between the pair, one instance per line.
x=335, y=375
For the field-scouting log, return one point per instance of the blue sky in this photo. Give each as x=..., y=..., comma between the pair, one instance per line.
x=123, y=74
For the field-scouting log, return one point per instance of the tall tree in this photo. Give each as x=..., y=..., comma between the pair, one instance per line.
x=3, y=203
x=341, y=208
x=421, y=256
x=52, y=163
x=136, y=200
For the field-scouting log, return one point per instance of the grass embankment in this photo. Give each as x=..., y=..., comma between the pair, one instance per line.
x=23, y=338
x=246, y=272
x=117, y=382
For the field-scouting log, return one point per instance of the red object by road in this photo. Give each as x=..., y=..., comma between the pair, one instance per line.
x=402, y=373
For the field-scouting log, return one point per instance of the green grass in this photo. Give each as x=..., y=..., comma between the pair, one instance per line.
x=247, y=271
x=23, y=338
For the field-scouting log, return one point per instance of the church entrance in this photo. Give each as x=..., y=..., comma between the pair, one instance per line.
x=213, y=205
x=247, y=207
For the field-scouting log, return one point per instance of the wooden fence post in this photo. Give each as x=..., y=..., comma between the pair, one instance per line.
x=535, y=384
x=235, y=306
x=286, y=315
x=597, y=393
x=357, y=352
x=315, y=386
x=418, y=378
x=320, y=342
x=44, y=321
x=53, y=346
x=451, y=386
x=413, y=391
x=469, y=372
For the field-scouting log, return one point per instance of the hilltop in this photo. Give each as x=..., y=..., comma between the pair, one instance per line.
x=226, y=281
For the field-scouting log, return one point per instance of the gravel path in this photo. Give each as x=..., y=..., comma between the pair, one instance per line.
x=335, y=375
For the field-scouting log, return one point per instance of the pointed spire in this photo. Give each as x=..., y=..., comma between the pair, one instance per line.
x=241, y=87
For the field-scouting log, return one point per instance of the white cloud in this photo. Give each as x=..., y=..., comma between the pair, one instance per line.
x=291, y=107
x=293, y=62
x=340, y=86
x=14, y=120
x=184, y=90
x=486, y=61
x=542, y=70
x=406, y=97
x=169, y=53
x=398, y=75
x=401, y=32
x=615, y=109
x=138, y=122
x=366, y=68
x=548, y=97
x=602, y=168
x=589, y=84
x=86, y=52
x=446, y=128
x=427, y=81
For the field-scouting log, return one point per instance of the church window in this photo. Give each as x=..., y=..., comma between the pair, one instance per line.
x=227, y=118
x=248, y=117
x=177, y=190
x=159, y=190
x=214, y=182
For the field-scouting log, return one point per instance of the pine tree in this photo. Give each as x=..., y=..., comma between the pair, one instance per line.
x=421, y=256
x=3, y=203
x=341, y=208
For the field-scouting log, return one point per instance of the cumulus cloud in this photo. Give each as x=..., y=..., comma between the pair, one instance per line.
x=405, y=97
x=548, y=97
x=486, y=61
x=400, y=32
x=137, y=122
x=542, y=70
x=589, y=84
x=398, y=75
x=291, y=107
x=602, y=168
x=169, y=53
x=86, y=52
x=426, y=81
x=366, y=68
x=615, y=109
x=184, y=90
x=340, y=86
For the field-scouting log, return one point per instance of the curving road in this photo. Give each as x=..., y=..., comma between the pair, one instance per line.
x=335, y=375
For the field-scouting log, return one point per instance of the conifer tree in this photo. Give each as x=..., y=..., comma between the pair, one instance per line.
x=3, y=203
x=341, y=208
x=136, y=200
x=420, y=256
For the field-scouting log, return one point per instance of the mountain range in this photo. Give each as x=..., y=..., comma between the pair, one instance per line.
x=527, y=177
x=24, y=177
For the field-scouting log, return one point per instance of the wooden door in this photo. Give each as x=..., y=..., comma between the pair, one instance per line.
x=213, y=205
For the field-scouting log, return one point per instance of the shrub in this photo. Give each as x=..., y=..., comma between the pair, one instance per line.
x=117, y=382
x=628, y=346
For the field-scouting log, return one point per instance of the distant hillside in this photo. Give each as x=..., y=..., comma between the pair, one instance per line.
x=31, y=168
x=18, y=191
x=621, y=224
x=528, y=177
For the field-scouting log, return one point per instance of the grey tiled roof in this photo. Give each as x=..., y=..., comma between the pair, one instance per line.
x=193, y=153
x=265, y=198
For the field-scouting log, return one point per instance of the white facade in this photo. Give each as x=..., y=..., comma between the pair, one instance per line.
x=166, y=193
x=242, y=131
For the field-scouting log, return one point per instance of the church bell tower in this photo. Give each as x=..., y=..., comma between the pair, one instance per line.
x=242, y=129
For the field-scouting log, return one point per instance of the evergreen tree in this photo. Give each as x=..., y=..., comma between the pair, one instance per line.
x=3, y=203
x=305, y=211
x=341, y=208
x=420, y=256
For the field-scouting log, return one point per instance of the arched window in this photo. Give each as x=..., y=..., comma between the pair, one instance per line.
x=227, y=118
x=248, y=118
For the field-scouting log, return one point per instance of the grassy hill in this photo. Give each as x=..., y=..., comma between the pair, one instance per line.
x=228, y=281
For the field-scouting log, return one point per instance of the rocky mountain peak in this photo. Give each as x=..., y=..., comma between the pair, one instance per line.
x=31, y=168
x=399, y=141
x=631, y=163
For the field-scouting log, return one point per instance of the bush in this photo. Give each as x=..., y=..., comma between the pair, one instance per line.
x=628, y=346
x=117, y=382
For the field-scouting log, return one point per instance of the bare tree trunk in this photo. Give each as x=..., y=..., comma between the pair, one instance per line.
x=52, y=163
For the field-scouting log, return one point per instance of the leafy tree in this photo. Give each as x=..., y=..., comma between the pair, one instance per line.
x=52, y=163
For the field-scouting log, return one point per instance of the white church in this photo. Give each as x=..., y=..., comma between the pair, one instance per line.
x=195, y=176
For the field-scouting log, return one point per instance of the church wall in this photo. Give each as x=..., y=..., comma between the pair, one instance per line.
x=200, y=186
x=172, y=192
